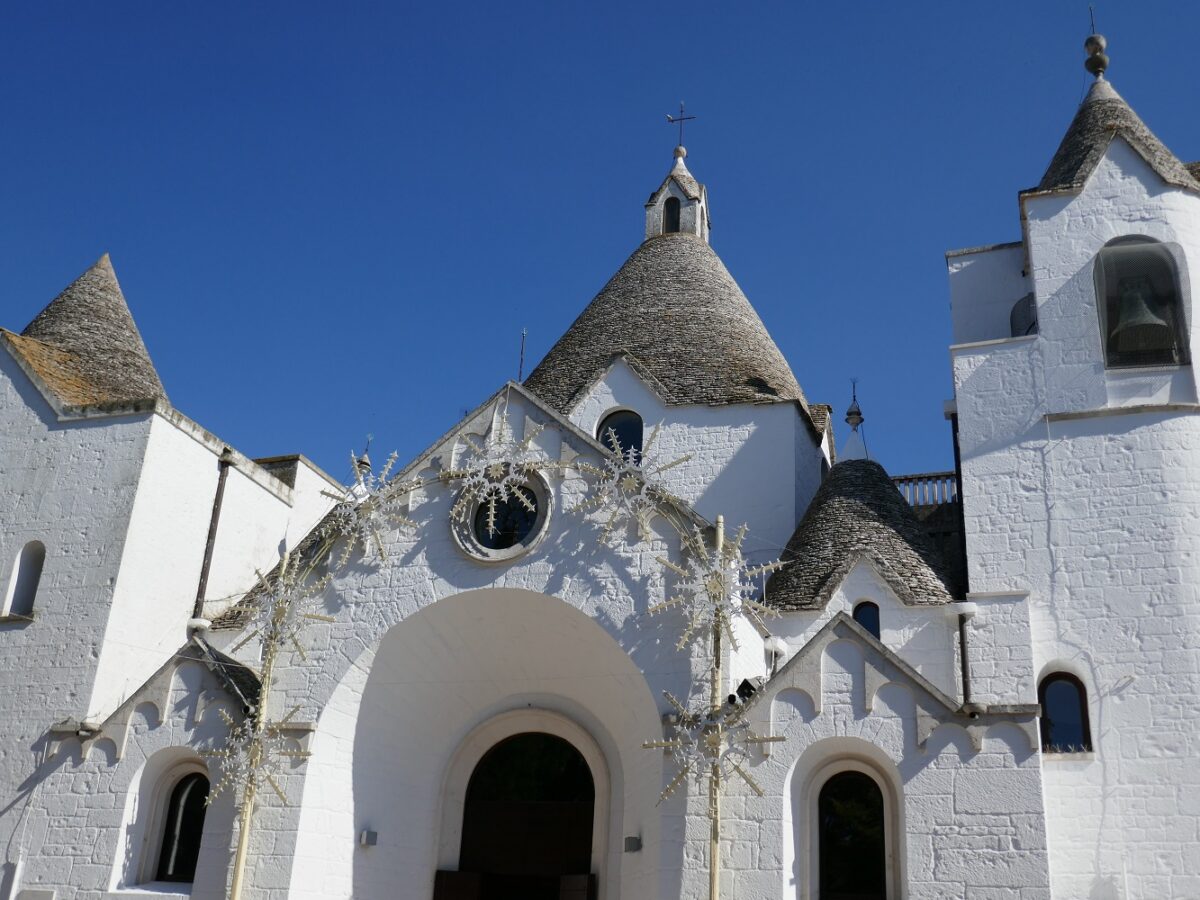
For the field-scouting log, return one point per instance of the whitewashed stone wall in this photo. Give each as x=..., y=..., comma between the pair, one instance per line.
x=842, y=702
x=738, y=456
x=1081, y=488
x=72, y=489
x=85, y=832
x=122, y=505
x=923, y=635
x=431, y=647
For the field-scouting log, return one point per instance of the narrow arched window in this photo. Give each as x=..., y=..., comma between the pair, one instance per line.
x=621, y=432
x=852, y=838
x=1140, y=302
x=671, y=215
x=1065, y=727
x=26, y=574
x=182, y=827
x=866, y=614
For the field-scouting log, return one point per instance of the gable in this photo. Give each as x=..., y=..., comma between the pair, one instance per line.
x=881, y=666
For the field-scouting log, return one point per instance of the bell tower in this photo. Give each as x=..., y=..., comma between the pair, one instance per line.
x=680, y=205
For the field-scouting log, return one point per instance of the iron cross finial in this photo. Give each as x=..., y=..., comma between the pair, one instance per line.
x=679, y=119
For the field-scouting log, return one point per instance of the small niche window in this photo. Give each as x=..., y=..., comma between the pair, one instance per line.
x=183, y=825
x=671, y=215
x=866, y=614
x=23, y=584
x=1064, y=722
x=621, y=432
x=1140, y=303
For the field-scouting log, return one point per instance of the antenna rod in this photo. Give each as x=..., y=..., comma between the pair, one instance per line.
x=521, y=364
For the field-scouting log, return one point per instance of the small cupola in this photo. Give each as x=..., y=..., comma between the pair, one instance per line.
x=679, y=205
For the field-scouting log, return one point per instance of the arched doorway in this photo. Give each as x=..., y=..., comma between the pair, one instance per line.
x=851, y=837
x=527, y=824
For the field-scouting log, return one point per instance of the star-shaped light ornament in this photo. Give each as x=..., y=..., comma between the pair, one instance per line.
x=716, y=586
x=253, y=755
x=283, y=603
x=494, y=469
x=626, y=485
x=712, y=746
x=370, y=508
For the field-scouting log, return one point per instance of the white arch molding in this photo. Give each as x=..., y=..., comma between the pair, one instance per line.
x=821, y=762
x=891, y=821
x=520, y=721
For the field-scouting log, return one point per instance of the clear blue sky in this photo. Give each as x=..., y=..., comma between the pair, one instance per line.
x=334, y=219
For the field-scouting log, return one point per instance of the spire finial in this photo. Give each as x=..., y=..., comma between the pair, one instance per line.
x=679, y=120
x=362, y=464
x=856, y=444
x=1097, y=61
x=854, y=416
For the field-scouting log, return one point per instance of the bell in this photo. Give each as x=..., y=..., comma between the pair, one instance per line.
x=1138, y=328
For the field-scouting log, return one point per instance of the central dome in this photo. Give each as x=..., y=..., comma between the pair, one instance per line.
x=683, y=323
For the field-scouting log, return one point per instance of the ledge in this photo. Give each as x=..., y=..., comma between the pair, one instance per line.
x=1123, y=411
x=985, y=248
x=162, y=890
x=994, y=342
x=14, y=619
x=1057, y=756
x=1015, y=709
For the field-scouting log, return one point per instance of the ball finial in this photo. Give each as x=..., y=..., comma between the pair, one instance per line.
x=1097, y=61
x=680, y=152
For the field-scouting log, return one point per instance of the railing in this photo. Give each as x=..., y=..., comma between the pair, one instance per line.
x=928, y=488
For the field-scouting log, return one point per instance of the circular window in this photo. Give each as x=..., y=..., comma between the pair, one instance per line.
x=503, y=525
x=506, y=523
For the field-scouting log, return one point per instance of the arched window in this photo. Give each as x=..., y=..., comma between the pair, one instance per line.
x=866, y=614
x=1140, y=303
x=621, y=432
x=23, y=585
x=527, y=819
x=671, y=215
x=852, y=839
x=1065, y=726
x=183, y=824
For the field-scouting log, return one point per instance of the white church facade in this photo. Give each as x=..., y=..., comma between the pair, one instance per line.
x=544, y=660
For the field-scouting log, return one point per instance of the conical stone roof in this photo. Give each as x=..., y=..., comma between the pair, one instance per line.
x=86, y=347
x=674, y=311
x=1102, y=116
x=858, y=514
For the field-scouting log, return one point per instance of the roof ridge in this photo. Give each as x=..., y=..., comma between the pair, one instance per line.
x=1101, y=116
x=91, y=320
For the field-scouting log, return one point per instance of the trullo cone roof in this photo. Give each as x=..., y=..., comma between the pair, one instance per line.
x=676, y=313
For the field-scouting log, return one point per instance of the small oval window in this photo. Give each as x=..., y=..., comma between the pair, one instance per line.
x=621, y=432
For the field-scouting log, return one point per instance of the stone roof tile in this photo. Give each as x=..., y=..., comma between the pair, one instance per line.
x=1102, y=116
x=858, y=514
x=86, y=347
x=675, y=308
